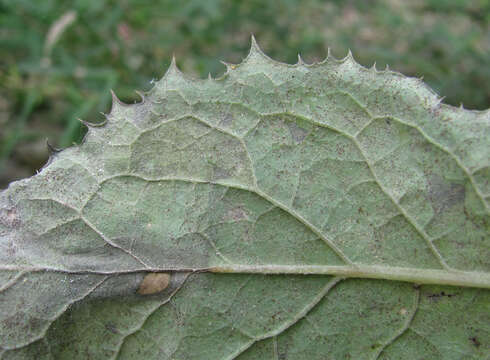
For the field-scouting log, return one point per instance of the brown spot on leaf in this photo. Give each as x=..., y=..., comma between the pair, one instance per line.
x=443, y=194
x=236, y=214
x=297, y=133
x=10, y=218
x=154, y=283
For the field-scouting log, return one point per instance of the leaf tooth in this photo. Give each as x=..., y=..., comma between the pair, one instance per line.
x=330, y=56
x=173, y=72
x=141, y=95
x=300, y=60
x=115, y=99
x=254, y=47
x=51, y=149
x=438, y=101
x=255, y=53
x=117, y=104
x=106, y=117
x=349, y=58
x=349, y=55
x=94, y=125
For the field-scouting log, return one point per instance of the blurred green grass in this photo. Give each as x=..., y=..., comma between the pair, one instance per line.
x=51, y=74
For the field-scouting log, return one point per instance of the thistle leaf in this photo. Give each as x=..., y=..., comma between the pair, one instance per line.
x=278, y=212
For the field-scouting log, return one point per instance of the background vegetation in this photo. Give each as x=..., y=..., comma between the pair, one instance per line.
x=59, y=59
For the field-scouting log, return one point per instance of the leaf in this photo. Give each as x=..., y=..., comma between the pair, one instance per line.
x=278, y=212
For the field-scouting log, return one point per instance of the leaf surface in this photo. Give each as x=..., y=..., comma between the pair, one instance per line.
x=278, y=212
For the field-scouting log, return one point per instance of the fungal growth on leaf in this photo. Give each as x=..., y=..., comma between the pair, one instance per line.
x=294, y=205
x=154, y=283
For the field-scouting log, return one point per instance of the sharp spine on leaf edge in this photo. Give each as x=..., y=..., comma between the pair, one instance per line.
x=329, y=54
x=94, y=125
x=300, y=60
x=254, y=47
x=115, y=99
x=256, y=51
x=116, y=102
x=141, y=95
x=173, y=68
x=349, y=55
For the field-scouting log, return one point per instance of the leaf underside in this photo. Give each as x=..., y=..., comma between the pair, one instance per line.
x=323, y=211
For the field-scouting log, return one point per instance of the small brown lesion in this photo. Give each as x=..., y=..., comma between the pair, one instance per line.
x=154, y=283
x=9, y=218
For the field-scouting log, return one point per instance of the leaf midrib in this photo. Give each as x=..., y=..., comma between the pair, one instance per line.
x=350, y=270
x=413, y=275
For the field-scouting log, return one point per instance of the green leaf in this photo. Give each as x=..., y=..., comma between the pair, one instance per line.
x=323, y=211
